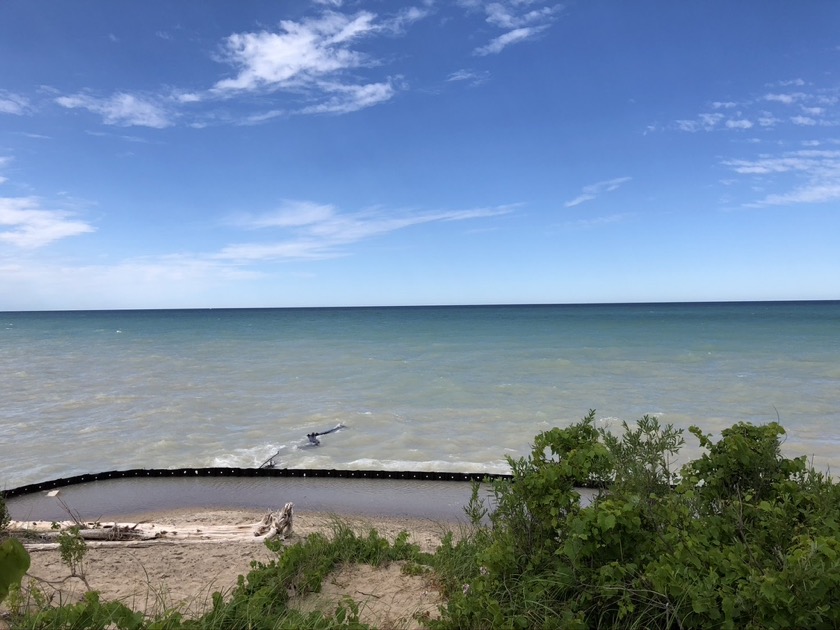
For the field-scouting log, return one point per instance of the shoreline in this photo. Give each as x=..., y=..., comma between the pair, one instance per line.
x=128, y=498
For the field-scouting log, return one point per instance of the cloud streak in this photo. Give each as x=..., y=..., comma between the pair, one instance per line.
x=24, y=224
x=790, y=111
x=313, y=58
x=516, y=18
x=470, y=76
x=298, y=54
x=498, y=44
x=817, y=107
x=816, y=171
x=121, y=109
x=13, y=103
x=318, y=231
x=593, y=191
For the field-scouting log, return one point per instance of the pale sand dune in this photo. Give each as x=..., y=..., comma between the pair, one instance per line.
x=215, y=547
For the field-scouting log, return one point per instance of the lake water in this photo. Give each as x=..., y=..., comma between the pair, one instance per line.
x=417, y=388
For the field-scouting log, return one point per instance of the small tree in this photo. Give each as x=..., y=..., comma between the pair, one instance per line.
x=73, y=548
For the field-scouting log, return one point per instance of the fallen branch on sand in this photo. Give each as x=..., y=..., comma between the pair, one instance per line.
x=276, y=523
x=43, y=535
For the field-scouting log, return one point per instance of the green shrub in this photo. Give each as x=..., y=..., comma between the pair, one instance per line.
x=742, y=538
x=89, y=614
x=72, y=548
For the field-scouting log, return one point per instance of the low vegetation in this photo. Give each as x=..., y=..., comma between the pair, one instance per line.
x=744, y=538
x=741, y=537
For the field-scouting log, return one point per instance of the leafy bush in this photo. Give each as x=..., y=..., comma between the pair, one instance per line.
x=742, y=538
x=260, y=599
x=72, y=548
x=89, y=614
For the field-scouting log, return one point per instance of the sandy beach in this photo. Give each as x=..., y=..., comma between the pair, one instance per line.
x=213, y=548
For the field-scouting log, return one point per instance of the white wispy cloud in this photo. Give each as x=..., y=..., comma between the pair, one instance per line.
x=25, y=224
x=312, y=59
x=316, y=231
x=344, y=99
x=814, y=111
x=186, y=97
x=588, y=193
x=816, y=107
x=4, y=161
x=510, y=16
x=11, y=103
x=397, y=24
x=739, y=123
x=801, y=160
x=766, y=119
x=787, y=83
x=815, y=172
x=121, y=109
x=291, y=213
x=703, y=122
x=813, y=192
x=785, y=98
x=521, y=20
x=501, y=42
x=470, y=76
x=298, y=53
x=257, y=119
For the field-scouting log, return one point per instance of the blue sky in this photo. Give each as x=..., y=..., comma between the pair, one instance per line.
x=284, y=153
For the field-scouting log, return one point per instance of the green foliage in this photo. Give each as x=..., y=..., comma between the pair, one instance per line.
x=741, y=538
x=14, y=563
x=643, y=457
x=89, y=614
x=72, y=548
x=260, y=599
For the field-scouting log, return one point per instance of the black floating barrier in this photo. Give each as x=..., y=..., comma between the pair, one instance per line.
x=248, y=472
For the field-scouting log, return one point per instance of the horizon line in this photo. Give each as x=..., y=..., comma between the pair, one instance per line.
x=429, y=305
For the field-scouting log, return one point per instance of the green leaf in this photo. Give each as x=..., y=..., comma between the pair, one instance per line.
x=14, y=563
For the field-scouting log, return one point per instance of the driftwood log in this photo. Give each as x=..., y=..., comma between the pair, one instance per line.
x=42, y=535
x=277, y=524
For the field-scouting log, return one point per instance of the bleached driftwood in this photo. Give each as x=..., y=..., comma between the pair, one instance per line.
x=276, y=523
x=43, y=535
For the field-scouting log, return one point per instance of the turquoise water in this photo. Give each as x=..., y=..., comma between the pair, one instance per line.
x=423, y=388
